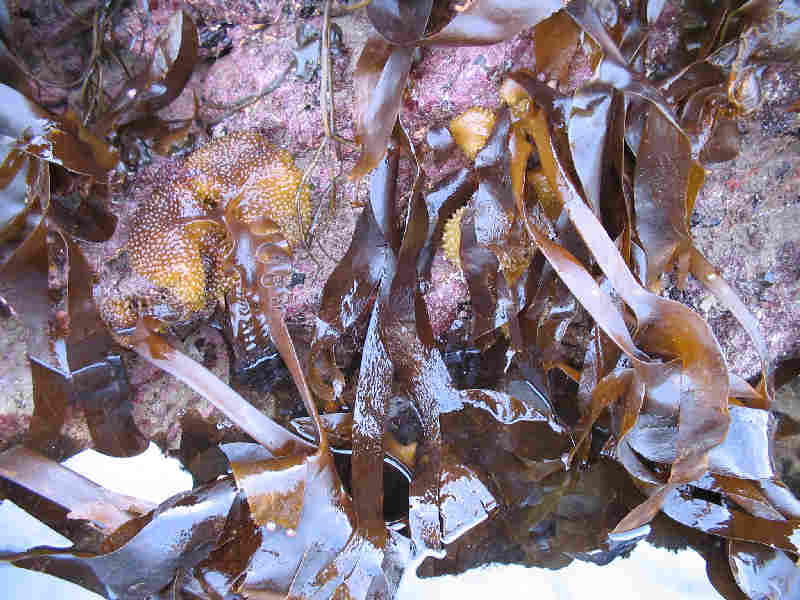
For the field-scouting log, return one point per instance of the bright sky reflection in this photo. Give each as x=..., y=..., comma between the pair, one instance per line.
x=654, y=572
x=649, y=571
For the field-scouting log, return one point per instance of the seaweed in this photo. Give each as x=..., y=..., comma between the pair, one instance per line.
x=174, y=58
x=384, y=64
x=46, y=279
x=57, y=174
x=566, y=212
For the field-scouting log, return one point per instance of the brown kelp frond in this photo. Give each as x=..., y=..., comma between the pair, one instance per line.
x=61, y=140
x=568, y=407
x=384, y=64
x=143, y=555
x=56, y=174
x=174, y=58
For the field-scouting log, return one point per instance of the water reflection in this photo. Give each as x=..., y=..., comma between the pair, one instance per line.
x=662, y=573
x=22, y=583
x=150, y=476
x=567, y=543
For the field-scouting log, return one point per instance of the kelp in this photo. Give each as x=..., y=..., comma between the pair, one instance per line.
x=76, y=497
x=400, y=23
x=70, y=351
x=142, y=557
x=174, y=57
x=384, y=65
x=293, y=491
x=571, y=209
x=47, y=279
x=662, y=229
x=379, y=82
x=702, y=409
x=312, y=488
x=28, y=128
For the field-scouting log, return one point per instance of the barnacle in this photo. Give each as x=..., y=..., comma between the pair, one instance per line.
x=178, y=241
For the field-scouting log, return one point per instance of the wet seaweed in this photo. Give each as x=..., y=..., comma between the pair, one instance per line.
x=570, y=209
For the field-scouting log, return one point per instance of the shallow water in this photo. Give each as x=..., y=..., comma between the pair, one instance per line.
x=155, y=477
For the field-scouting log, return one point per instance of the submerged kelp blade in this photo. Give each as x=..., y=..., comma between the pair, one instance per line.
x=101, y=389
x=17, y=174
x=351, y=286
x=501, y=424
x=79, y=497
x=666, y=183
x=347, y=296
x=24, y=286
x=481, y=271
x=318, y=550
x=665, y=328
x=718, y=570
x=607, y=393
x=747, y=494
x=98, y=380
x=588, y=129
x=369, y=415
x=762, y=572
x=274, y=489
x=421, y=374
x=556, y=41
x=358, y=571
x=770, y=33
x=660, y=191
x=613, y=70
x=261, y=428
x=49, y=283
x=700, y=513
x=222, y=571
x=665, y=187
x=293, y=497
x=325, y=552
x=465, y=500
x=747, y=451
